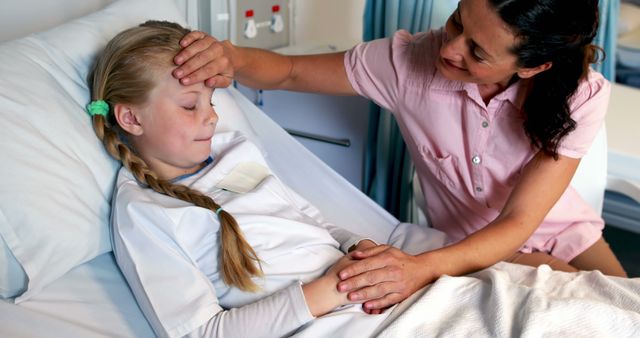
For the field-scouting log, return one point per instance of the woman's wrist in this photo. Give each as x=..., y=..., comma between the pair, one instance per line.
x=434, y=265
x=453, y=260
x=233, y=54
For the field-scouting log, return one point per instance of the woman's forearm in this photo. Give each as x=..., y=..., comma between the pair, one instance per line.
x=263, y=69
x=259, y=68
x=487, y=246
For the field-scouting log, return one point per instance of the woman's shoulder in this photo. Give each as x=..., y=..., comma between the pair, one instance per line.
x=419, y=53
x=405, y=49
x=593, y=86
x=426, y=42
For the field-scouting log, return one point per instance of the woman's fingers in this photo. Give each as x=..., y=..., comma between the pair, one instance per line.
x=192, y=43
x=368, y=260
x=191, y=37
x=379, y=297
x=379, y=305
x=218, y=81
x=203, y=59
x=374, y=291
x=216, y=73
x=386, y=277
x=197, y=55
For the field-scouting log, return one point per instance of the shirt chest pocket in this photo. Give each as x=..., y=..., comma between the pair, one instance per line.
x=444, y=168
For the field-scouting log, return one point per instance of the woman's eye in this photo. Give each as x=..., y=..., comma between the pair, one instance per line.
x=190, y=108
x=477, y=56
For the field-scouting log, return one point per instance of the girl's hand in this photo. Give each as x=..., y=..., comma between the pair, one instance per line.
x=383, y=276
x=322, y=294
x=363, y=245
x=204, y=59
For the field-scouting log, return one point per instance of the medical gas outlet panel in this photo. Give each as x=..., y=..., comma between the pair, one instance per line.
x=252, y=23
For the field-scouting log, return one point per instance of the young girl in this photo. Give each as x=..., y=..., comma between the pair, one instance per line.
x=197, y=231
x=496, y=110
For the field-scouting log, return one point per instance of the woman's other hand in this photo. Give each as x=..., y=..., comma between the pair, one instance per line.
x=383, y=276
x=203, y=58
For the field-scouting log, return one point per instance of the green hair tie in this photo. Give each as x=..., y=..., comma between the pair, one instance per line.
x=218, y=211
x=98, y=107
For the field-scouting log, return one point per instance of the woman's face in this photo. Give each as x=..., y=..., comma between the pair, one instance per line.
x=477, y=46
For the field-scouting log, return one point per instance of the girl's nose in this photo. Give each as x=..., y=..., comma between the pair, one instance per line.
x=212, y=118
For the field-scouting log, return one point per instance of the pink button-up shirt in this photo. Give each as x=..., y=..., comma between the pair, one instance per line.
x=469, y=155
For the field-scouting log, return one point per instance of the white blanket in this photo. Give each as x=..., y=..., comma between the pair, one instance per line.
x=509, y=300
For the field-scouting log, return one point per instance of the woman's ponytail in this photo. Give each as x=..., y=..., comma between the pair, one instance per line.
x=559, y=32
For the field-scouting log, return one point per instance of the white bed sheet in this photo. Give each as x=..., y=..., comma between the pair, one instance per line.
x=509, y=300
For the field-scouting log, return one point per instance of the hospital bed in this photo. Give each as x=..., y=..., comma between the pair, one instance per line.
x=58, y=276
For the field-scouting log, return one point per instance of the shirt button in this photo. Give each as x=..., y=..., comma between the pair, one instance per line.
x=476, y=159
x=485, y=124
x=479, y=189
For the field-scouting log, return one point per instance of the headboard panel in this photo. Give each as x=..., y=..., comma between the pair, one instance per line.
x=22, y=17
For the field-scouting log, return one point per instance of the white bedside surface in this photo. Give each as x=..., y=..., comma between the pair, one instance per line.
x=623, y=138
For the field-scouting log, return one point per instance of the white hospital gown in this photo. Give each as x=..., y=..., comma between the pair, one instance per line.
x=168, y=250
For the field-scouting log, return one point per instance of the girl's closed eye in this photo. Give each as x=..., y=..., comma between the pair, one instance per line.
x=189, y=107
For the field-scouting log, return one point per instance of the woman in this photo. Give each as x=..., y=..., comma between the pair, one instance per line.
x=496, y=109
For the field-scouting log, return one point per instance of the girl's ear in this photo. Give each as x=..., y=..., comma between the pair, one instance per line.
x=127, y=119
x=525, y=73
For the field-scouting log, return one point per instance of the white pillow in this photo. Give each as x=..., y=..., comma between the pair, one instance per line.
x=231, y=117
x=56, y=178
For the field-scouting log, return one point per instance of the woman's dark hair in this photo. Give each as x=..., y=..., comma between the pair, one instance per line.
x=560, y=32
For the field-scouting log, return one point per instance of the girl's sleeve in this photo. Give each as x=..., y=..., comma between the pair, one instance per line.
x=278, y=315
x=175, y=296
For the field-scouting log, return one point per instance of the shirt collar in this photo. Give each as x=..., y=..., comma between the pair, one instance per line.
x=515, y=93
x=208, y=161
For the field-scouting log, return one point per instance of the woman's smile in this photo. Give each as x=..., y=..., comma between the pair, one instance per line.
x=447, y=63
